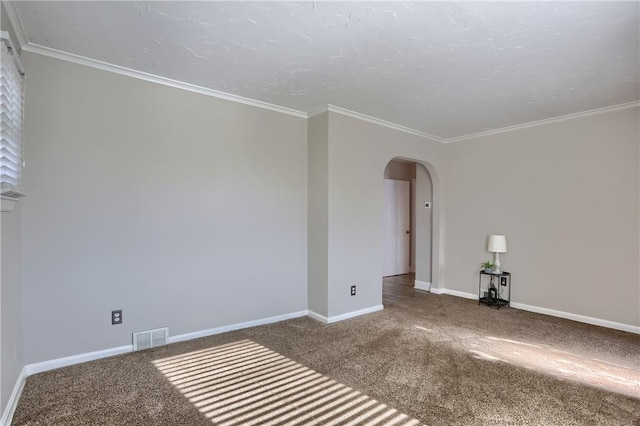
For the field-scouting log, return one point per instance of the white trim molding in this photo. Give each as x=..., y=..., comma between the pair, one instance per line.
x=354, y=314
x=12, y=403
x=318, y=111
x=43, y=366
x=456, y=293
x=40, y=367
x=117, y=69
x=576, y=317
x=328, y=320
x=7, y=203
x=421, y=285
x=375, y=120
x=557, y=119
x=129, y=72
x=551, y=312
x=318, y=317
x=24, y=44
x=16, y=23
x=233, y=327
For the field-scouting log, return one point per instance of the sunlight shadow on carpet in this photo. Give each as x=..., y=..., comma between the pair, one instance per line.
x=590, y=371
x=244, y=383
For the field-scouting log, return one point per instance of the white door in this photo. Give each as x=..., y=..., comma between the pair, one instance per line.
x=397, y=237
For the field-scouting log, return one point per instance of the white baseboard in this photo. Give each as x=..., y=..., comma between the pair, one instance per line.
x=457, y=293
x=40, y=367
x=43, y=366
x=421, y=285
x=232, y=327
x=7, y=415
x=342, y=317
x=580, y=318
x=552, y=312
x=316, y=316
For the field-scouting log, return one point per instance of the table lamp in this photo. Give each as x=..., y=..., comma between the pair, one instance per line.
x=497, y=244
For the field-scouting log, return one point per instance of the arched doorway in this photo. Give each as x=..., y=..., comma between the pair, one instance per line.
x=409, y=222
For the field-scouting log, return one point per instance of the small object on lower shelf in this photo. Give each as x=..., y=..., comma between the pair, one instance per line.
x=495, y=302
x=493, y=294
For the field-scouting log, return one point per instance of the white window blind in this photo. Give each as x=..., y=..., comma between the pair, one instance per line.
x=11, y=113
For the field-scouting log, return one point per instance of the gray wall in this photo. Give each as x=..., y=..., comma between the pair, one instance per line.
x=193, y=212
x=183, y=210
x=423, y=217
x=11, y=345
x=318, y=226
x=11, y=318
x=358, y=154
x=566, y=196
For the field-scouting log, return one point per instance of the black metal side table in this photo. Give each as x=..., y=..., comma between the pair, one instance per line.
x=494, y=294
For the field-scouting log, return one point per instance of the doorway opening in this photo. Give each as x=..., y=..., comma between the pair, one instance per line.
x=408, y=222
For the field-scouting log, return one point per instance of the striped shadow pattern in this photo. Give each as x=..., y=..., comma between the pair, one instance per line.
x=244, y=383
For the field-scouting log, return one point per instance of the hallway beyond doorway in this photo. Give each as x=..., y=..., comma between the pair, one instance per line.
x=398, y=287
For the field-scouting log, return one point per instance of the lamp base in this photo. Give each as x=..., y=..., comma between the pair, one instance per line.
x=496, y=262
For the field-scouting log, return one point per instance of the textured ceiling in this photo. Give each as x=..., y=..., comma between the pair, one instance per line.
x=443, y=68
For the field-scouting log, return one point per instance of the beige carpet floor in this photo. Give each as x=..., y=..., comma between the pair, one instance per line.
x=425, y=359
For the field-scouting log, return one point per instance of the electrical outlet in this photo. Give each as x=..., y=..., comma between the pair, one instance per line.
x=116, y=317
x=503, y=281
x=353, y=290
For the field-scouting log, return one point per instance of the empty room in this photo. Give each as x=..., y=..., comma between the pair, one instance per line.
x=320, y=213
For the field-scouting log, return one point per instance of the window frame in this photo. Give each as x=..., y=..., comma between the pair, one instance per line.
x=11, y=122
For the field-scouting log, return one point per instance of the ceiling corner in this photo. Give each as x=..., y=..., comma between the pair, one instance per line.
x=16, y=24
x=557, y=119
x=317, y=111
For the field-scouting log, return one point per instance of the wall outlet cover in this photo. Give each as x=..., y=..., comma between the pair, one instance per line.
x=116, y=317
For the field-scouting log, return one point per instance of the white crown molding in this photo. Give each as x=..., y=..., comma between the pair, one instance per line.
x=545, y=121
x=404, y=129
x=370, y=119
x=318, y=111
x=24, y=44
x=117, y=69
x=378, y=121
x=16, y=23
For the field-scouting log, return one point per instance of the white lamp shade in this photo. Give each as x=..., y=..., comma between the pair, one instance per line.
x=497, y=244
